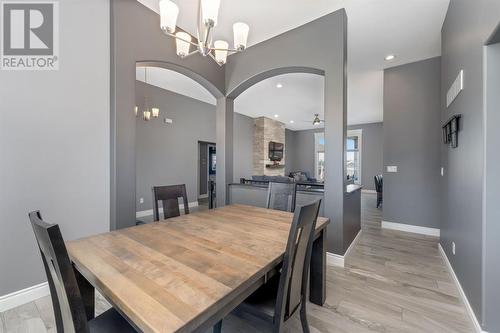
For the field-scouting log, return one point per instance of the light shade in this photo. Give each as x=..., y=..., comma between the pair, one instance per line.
x=221, y=51
x=155, y=112
x=182, y=43
x=168, y=15
x=210, y=11
x=136, y=110
x=146, y=114
x=240, y=31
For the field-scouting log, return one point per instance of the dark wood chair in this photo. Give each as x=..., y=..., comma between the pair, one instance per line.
x=169, y=196
x=69, y=309
x=379, y=185
x=281, y=196
x=286, y=292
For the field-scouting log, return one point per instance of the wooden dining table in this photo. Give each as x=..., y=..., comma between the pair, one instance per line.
x=186, y=273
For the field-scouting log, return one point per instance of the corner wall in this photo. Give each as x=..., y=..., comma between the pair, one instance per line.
x=467, y=26
x=412, y=142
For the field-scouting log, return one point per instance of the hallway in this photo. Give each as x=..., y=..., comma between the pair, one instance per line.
x=393, y=282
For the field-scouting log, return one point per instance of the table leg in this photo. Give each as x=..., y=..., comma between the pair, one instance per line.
x=317, y=283
x=87, y=292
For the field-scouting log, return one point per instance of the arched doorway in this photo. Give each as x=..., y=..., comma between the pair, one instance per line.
x=123, y=128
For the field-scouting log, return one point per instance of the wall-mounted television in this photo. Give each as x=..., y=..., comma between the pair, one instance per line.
x=276, y=151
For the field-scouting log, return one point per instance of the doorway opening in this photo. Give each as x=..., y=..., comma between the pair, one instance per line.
x=207, y=171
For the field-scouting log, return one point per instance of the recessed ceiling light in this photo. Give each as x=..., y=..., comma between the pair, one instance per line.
x=291, y=121
x=276, y=116
x=279, y=85
x=390, y=57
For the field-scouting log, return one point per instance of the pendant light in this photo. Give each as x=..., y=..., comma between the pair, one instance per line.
x=147, y=113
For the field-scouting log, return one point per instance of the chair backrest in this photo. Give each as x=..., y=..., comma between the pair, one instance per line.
x=293, y=283
x=281, y=196
x=169, y=196
x=378, y=183
x=69, y=310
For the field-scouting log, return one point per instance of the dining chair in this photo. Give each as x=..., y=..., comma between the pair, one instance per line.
x=286, y=292
x=379, y=185
x=281, y=196
x=69, y=309
x=169, y=196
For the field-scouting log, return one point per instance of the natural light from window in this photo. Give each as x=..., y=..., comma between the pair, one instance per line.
x=353, y=156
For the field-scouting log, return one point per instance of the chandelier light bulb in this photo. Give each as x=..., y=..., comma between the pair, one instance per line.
x=240, y=31
x=155, y=112
x=210, y=12
x=221, y=47
x=169, y=12
x=183, y=43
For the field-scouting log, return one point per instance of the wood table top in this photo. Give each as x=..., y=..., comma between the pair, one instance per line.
x=170, y=276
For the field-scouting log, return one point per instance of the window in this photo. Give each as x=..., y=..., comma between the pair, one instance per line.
x=353, y=156
x=319, y=156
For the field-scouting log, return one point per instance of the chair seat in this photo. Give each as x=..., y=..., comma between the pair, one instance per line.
x=263, y=301
x=110, y=322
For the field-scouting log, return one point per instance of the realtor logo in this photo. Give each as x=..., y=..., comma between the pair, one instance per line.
x=29, y=37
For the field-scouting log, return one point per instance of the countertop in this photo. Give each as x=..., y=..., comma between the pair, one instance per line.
x=352, y=188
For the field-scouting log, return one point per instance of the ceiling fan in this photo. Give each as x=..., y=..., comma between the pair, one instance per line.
x=316, y=120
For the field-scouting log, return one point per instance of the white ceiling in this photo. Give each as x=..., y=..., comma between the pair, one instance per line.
x=410, y=29
x=300, y=97
x=173, y=81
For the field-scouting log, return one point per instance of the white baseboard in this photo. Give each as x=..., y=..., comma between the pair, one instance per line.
x=338, y=260
x=353, y=243
x=369, y=191
x=333, y=259
x=23, y=296
x=411, y=228
x=149, y=212
x=469, y=309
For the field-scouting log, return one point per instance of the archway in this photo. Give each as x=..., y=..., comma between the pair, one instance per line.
x=271, y=73
x=186, y=72
x=123, y=133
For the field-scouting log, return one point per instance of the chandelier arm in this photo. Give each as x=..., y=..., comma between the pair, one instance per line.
x=207, y=36
x=191, y=53
x=231, y=51
x=179, y=38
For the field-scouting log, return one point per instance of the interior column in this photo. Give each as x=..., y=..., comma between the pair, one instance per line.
x=224, y=140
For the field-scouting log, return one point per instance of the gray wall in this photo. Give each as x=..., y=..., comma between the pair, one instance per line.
x=168, y=153
x=242, y=147
x=412, y=142
x=372, y=150
x=303, y=150
x=136, y=37
x=492, y=193
x=467, y=26
x=328, y=37
x=54, y=144
x=289, y=151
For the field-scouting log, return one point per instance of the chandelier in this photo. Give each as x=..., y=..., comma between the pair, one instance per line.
x=147, y=113
x=208, y=11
